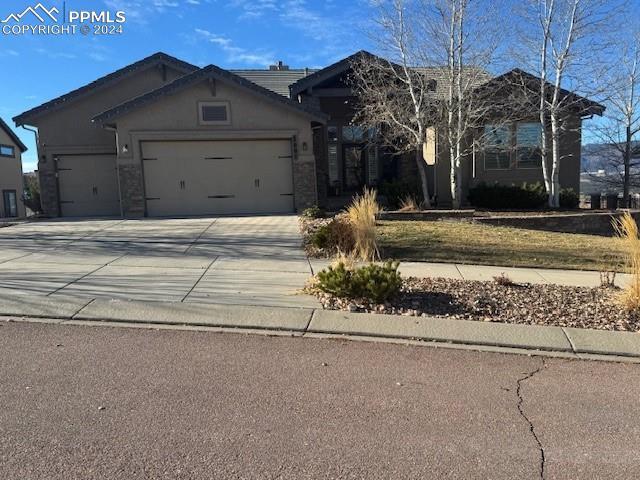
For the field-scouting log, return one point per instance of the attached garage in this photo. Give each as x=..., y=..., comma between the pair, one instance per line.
x=88, y=185
x=217, y=177
x=213, y=143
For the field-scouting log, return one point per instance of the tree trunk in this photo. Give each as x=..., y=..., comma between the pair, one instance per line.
x=554, y=197
x=424, y=181
x=627, y=168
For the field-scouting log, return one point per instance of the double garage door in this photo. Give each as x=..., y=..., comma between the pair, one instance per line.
x=217, y=177
x=88, y=185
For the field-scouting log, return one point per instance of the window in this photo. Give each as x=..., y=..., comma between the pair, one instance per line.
x=332, y=133
x=214, y=113
x=528, y=145
x=497, y=147
x=10, y=201
x=7, y=151
x=353, y=134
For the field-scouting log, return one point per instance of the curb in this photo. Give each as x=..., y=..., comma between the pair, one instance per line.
x=436, y=331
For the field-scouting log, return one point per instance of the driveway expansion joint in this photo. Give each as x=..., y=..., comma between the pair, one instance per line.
x=524, y=416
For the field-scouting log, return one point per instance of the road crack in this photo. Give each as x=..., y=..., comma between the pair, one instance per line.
x=523, y=415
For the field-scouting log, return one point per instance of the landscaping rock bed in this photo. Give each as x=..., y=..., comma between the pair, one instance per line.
x=308, y=226
x=562, y=306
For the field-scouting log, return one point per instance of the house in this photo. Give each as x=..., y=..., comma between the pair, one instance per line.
x=11, y=150
x=162, y=137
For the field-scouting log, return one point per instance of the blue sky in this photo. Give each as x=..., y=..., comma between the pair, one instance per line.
x=231, y=34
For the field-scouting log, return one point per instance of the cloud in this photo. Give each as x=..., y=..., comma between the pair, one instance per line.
x=56, y=55
x=255, y=8
x=9, y=53
x=30, y=97
x=193, y=2
x=139, y=10
x=234, y=53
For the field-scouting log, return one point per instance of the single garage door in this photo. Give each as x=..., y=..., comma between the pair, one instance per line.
x=88, y=185
x=218, y=177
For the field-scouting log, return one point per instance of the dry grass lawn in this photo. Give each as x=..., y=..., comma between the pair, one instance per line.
x=461, y=242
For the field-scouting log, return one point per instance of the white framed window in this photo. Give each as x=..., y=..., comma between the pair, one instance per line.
x=529, y=145
x=497, y=147
x=7, y=151
x=214, y=113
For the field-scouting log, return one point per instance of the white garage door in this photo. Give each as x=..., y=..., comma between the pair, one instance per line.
x=88, y=185
x=218, y=177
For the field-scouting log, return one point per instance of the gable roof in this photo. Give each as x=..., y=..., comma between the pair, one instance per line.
x=152, y=60
x=12, y=135
x=193, y=78
x=327, y=72
x=277, y=81
x=531, y=82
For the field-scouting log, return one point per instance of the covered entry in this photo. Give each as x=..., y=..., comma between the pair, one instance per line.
x=217, y=177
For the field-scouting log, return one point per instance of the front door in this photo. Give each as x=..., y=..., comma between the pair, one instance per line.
x=354, y=167
x=10, y=200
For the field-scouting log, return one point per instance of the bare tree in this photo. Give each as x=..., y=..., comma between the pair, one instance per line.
x=568, y=38
x=620, y=128
x=398, y=100
x=436, y=53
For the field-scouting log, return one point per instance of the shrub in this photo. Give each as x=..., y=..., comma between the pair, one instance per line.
x=508, y=196
x=321, y=238
x=504, y=280
x=627, y=229
x=334, y=237
x=362, y=218
x=396, y=191
x=569, y=198
x=374, y=283
x=31, y=196
x=314, y=212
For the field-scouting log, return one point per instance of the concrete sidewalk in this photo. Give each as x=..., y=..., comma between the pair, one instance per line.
x=558, y=341
x=577, y=278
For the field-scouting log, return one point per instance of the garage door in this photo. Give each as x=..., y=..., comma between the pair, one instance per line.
x=88, y=185
x=221, y=177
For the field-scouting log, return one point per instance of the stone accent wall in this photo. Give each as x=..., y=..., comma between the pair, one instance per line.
x=304, y=182
x=595, y=223
x=48, y=189
x=132, y=190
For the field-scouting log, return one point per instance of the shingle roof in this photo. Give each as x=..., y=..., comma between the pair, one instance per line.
x=13, y=136
x=156, y=58
x=277, y=81
x=210, y=71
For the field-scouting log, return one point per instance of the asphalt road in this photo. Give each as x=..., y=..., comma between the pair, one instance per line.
x=98, y=402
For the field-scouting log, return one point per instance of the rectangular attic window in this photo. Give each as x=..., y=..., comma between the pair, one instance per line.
x=214, y=113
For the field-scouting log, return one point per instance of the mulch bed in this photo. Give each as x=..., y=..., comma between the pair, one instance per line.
x=563, y=306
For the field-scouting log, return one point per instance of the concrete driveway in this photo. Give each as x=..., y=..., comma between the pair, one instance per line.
x=232, y=260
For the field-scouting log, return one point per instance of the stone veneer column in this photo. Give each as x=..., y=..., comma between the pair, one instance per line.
x=48, y=187
x=131, y=190
x=304, y=182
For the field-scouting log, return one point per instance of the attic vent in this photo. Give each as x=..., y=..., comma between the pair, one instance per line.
x=279, y=66
x=214, y=113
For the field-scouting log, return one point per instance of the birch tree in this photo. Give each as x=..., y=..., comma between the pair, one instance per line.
x=568, y=38
x=436, y=53
x=398, y=101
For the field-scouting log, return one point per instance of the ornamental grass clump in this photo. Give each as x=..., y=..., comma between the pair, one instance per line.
x=627, y=229
x=362, y=218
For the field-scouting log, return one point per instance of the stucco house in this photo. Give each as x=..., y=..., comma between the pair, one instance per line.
x=11, y=183
x=162, y=137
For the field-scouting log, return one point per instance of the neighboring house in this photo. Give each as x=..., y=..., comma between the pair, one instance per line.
x=162, y=137
x=11, y=150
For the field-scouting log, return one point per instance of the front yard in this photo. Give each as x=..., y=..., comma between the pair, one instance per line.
x=464, y=242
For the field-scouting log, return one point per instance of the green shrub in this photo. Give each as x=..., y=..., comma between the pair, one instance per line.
x=497, y=196
x=375, y=283
x=395, y=192
x=321, y=238
x=569, y=198
x=314, y=212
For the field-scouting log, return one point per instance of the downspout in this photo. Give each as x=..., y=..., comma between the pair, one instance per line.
x=113, y=129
